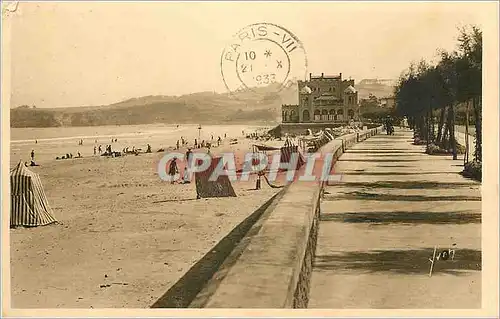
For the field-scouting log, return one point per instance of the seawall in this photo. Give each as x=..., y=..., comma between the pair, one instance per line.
x=271, y=265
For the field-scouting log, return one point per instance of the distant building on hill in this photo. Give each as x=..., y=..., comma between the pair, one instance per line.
x=323, y=99
x=388, y=102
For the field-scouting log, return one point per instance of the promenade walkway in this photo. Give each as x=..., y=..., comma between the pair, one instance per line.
x=379, y=226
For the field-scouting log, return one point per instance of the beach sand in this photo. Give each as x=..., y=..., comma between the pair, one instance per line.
x=120, y=224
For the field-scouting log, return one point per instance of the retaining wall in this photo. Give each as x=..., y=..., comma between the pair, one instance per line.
x=275, y=268
x=272, y=265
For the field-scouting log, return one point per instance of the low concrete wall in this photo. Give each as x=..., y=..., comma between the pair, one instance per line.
x=275, y=267
x=187, y=288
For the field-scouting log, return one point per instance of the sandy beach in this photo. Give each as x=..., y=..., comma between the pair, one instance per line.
x=120, y=225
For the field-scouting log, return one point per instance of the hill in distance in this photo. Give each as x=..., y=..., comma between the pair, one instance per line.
x=259, y=106
x=378, y=87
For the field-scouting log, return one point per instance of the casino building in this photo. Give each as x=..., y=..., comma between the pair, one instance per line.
x=323, y=99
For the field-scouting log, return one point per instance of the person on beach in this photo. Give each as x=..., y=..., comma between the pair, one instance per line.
x=149, y=149
x=218, y=141
x=36, y=141
x=177, y=145
x=173, y=169
x=188, y=164
x=100, y=149
x=195, y=143
x=212, y=137
x=32, y=155
x=95, y=150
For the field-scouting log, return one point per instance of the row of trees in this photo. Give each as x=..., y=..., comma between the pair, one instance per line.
x=427, y=93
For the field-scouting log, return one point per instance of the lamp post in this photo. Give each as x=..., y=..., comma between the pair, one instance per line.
x=199, y=132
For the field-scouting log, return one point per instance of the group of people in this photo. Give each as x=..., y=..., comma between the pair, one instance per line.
x=203, y=144
x=99, y=149
x=389, y=128
x=173, y=169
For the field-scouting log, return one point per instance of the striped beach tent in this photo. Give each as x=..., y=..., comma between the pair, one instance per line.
x=286, y=155
x=28, y=203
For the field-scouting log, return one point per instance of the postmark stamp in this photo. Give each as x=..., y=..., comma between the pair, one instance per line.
x=263, y=55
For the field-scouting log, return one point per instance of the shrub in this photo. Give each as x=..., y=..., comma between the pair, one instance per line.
x=473, y=170
x=433, y=149
x=418, y=141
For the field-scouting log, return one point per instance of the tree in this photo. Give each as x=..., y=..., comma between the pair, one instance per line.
x=423, y=89
x=470, y=77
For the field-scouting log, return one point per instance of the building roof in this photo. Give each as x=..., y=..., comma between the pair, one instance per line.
x=350, y=89
x=306, y=90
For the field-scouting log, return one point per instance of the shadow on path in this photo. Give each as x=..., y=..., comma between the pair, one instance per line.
x=391, y=150
x=370, y=151
x=388, y=197
x=408, y=262
x=404, y=217
x=401, y=184
x=376, y=160
x=391, y=154
x=393, y=173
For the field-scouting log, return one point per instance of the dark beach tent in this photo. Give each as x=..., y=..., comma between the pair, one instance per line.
x=28, y=203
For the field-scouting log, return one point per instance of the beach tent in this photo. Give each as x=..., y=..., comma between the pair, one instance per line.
x=206, y=188
x=286, y=155
x=28, y=203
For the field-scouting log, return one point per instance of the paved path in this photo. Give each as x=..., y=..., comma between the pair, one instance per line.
x=380, y=224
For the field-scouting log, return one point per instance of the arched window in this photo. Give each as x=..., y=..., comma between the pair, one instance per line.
x=285, y=116
x=340, y=112
x=350, y=113
x=293, y=116
x=324, y=115
x=317, y=115
x=306, y=117
x=332, y=116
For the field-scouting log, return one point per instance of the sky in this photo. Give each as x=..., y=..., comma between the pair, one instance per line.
x=68, y=54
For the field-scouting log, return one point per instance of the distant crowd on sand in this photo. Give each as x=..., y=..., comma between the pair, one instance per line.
x=108, y=151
